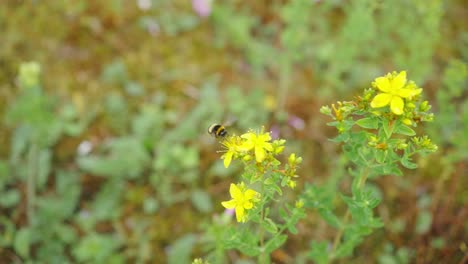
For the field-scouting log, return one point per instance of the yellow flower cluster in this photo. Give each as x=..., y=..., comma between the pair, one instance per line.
x=241, y=146
x=394, y=91
x=256, y=146
x=242, y=200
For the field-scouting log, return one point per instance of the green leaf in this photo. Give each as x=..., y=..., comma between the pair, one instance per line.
x=276, y=188
x=404, y=130
x=388, y=128
x=347, y=247
x=108, y=201
x=66, y=233
x=284, y=215
x=340, y=138
x=380, y=155
x=269, y=225
x=181, y=249
x=10, y=198
x=202, y=201
x=275, y=243
x=368, y=122
x=407, y=163
x=22, y=242
x=44, y=167
x=329, y=217
x=319, y=252
x=292, y=229
x=391, y=169
x=243, y=240
x=96, y=248
x=126, y=157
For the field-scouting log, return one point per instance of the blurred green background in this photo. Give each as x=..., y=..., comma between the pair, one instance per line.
x=106, y=159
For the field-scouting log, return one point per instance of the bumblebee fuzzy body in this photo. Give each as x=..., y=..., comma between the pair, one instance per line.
x=217, y=130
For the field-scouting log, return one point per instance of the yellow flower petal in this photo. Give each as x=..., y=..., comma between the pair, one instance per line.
x=248, y=205
x=267, y=146
x=381, y=100
x=415, y=92
x=383, y=84
x=396, y=105
x=399, y=81
x=249, y=194
x=235, y=192
x=249, y=136
x=227, y=158
x=259, y=154
x=240, y=214
x=229, y=204
x=405, y=93
x=265, y=137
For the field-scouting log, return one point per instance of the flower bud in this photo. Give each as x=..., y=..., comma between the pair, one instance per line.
x=424, y=106
x=299, y=203
x=407, y=121
x=325, y=110
x=292, y=184
x=410, y=105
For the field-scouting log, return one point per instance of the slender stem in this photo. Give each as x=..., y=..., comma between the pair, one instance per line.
x=347, y=215
x=338, y=236
x=31, y=181
x=262, y=231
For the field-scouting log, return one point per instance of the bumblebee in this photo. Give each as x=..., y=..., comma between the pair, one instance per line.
x=217, y=130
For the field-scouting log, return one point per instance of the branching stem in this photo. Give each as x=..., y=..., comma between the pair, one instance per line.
x=347, y=215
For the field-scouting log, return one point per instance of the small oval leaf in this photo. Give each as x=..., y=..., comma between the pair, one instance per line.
x=404, y=130
x=368, y=122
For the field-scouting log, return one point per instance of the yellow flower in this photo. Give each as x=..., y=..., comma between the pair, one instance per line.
x=260, y=143
x=242, y=199
x=393, y=91
x=231, y=145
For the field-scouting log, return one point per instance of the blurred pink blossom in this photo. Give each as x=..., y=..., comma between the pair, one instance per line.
x=229, y=212
x=296, y=122
x=202, y=7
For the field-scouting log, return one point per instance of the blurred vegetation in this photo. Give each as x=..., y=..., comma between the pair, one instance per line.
x=104, y=150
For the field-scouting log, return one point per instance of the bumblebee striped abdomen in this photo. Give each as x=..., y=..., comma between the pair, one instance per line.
x=217, y=130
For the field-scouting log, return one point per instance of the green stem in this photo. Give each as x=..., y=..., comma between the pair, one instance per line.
x=262, y=231
x=31, y=181
x=337, y=240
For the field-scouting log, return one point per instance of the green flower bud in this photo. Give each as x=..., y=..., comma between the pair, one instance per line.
x=299, y=203
x=407, y=121
x=325, y=110
x=410, y=105
x=292, y=158
x=424, y=106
